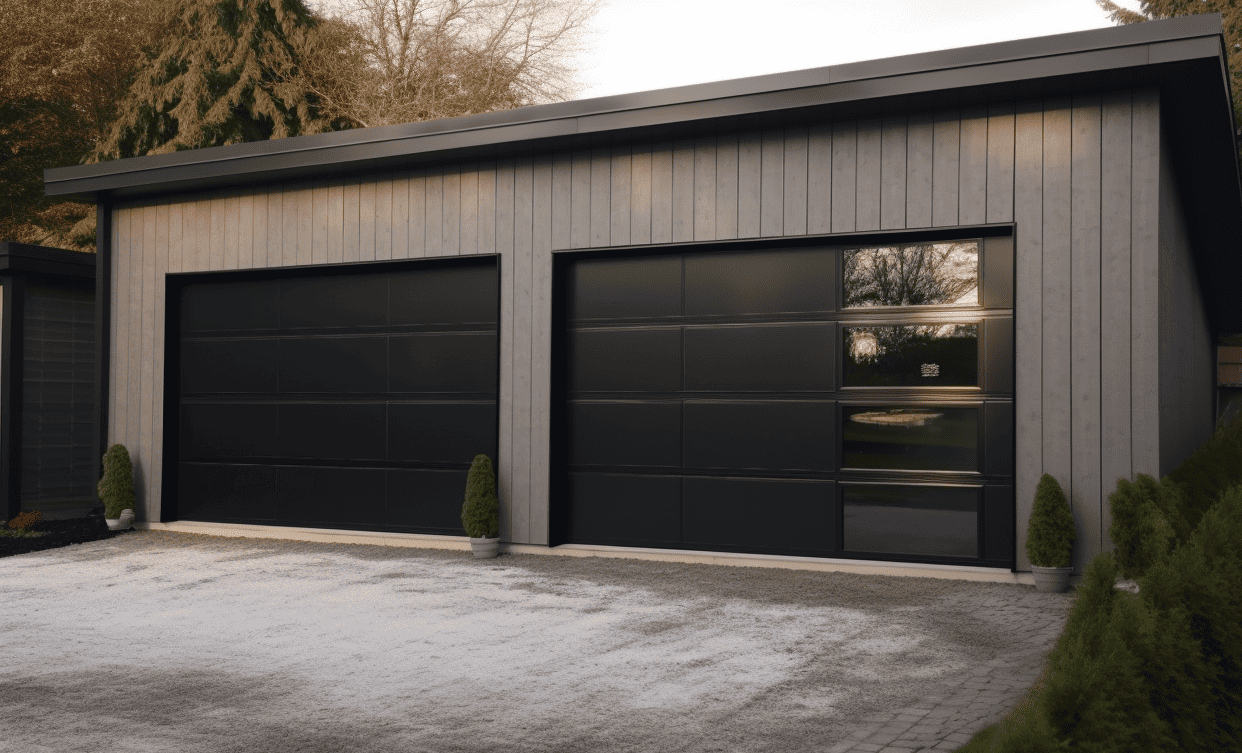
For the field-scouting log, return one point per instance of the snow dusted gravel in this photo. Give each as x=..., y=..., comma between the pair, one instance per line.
x=162, y=641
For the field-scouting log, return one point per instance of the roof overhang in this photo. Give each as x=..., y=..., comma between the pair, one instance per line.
x=22, y=258
x=1184, y=57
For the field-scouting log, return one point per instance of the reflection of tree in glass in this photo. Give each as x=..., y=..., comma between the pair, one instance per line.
x=916, y=275
x=871, y=344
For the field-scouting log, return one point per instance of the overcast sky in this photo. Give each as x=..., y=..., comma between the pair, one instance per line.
x=638, y=45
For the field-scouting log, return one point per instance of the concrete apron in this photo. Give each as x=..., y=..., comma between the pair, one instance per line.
x=424, y=541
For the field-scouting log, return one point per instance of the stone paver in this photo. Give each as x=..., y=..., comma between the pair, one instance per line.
x=977, y=696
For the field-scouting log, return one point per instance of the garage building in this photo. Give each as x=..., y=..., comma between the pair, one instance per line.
x=847, y=314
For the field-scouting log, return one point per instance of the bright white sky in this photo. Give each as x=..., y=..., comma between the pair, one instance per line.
x=639, y=45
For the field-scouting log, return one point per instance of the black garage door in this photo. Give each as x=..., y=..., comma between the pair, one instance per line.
x=349, y=398
x=825, y=401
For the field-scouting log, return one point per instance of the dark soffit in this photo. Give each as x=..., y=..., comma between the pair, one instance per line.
x=23, y=258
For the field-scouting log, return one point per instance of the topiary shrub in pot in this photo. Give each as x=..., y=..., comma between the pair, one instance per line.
x=1050, y=537
x=480, y=513
x=116, y=488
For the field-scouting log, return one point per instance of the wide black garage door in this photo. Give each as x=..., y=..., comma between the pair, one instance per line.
x=823, y=401
x=347, y=398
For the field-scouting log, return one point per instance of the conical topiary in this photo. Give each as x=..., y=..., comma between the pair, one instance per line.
x=116, y=488
x=1050, y=534
x=480, y=513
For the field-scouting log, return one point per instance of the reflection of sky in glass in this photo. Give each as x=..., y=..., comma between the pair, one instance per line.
x=865, y=346
x=913, y=275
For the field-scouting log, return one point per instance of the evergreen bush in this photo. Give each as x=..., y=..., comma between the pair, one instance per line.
x=480, y=513
x=1050, y=534
x=116, y=488
x=1213, y=467
x=1139, y=531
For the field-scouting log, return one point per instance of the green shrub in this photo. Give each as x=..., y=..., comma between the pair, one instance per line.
x=1139, y=530
x=1050, y=534
x=116, y=488
x=480, y=513
x=1213, y=467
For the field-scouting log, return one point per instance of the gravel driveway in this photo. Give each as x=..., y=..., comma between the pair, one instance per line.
x=161, y=641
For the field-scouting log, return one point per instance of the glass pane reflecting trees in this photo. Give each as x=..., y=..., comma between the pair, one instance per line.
x=921, y=274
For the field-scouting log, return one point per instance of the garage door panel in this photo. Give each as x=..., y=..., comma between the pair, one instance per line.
x=630, y=433
x=760, y=358
x=998, y=522
x=444, y=363
x=229, y=430
x=626, y=360
x=216, y=306
x=219, y=491
x=340, y=496
x=911, y=355
x=354, y=301
x=777, y=435
x=625, y=508
x=426, y=499
x=352, y=431
x=334, y=364
x=923, y=438
x=441, y=432
x=998, y=439
x=739, y=512
x=760, y=282
x=911, y=520
x=626, y=288
x=229, y=366
x=444, y=296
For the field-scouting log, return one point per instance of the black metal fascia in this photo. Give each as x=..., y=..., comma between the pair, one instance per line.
x=22, y=258
x=1098, y=51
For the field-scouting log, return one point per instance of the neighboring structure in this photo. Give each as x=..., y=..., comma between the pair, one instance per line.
x=47, y=381
x=852, y=312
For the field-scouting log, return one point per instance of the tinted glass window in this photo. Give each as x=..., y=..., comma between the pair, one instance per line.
x=911, y=520
x=913, y=355
x=922, y=274
x=760, y=282
x=913, y=439
x=623, y=288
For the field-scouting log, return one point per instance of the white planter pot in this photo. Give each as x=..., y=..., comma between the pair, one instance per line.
x=1052, y=580
x=485, y=548
x=123, y=523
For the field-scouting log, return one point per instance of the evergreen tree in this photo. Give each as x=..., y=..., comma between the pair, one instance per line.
x=223, y=72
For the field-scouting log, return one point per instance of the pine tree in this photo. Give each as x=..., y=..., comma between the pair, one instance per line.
x=223, y=72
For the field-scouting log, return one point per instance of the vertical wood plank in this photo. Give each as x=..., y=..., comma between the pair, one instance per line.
x=134, y=347
x=305, y=224
x=562, y=199
x=541, y=343
x=1000, y=162
x=218, y=229
x=600, y=206
x=661, y=192
x=383, y=216
x=122, y=291
x=619, y=197
x=1115, y=182
x=749, y=183
x=580, y=200
x=640, y=196
x=232, y=219
x=401, y=215
x=705, y=188
x=487, y=208
x=156, y=403
x=867, y=206
x=258, y=254
x=945, y=179
x=435, y=212
x=819, y=179
x=245, y=232
x=418, y=214
x=366, y=218
x=973, y=168
x=893, y=172
x=332, y=223
x=351, y=197
x=275, y=224
x=683, y=190
x=1028, y=313
x=146, y=349
x=176, y=233
x=452, y=213
x=919, y=170
x=795, y=175
x=1058, y=438
x=469, y=209
x=289, y=233
x=1144, y=283
x=726, y=185
x=508, y=311
x=844, y=175
x=772, y=183
x=523, y=237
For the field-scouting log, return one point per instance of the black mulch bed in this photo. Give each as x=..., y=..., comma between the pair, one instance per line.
x=58, y=533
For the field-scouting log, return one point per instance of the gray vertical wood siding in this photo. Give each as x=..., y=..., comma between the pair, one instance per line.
x=1079, y=179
